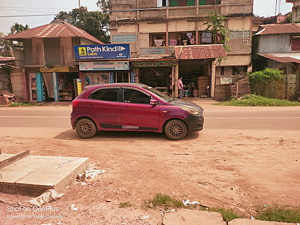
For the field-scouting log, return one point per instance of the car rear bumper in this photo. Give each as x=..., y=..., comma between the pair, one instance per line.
x=194, y=123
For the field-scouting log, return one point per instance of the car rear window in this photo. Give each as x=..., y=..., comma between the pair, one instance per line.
x=107, y=94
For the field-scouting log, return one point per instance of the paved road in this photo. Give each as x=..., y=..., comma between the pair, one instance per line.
x=216, y=117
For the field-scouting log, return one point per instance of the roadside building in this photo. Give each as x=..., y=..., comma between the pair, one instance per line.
x=168, y=40
x=295, y=9
x=46, y=56
x=278, y=46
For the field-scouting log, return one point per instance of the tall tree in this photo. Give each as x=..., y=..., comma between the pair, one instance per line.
x=95, y=23
x=16, y=28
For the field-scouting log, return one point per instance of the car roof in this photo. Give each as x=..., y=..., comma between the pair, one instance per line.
x=116, y=84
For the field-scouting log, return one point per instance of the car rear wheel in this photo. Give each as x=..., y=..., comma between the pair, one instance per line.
x=175, y=130
x=86, y=128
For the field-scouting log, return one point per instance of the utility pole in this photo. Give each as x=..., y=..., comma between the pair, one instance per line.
x=79, y=8
x=276, y=7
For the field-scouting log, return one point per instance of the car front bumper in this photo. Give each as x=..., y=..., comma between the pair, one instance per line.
x=195, y=123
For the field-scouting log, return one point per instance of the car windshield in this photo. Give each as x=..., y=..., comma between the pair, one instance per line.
x=159, y=94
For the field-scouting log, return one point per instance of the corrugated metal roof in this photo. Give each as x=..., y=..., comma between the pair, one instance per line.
x=200, y=52
x=6, y=59
x=56, y=29
x=287, y=28
x=283, y=57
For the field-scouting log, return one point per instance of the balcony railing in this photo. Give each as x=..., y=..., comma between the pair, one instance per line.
x=180, y=12
x=157, y=51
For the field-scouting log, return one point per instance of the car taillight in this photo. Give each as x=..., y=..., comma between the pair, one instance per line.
x=75, y=103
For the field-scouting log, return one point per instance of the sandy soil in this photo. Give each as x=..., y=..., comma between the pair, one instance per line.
x=236, y=169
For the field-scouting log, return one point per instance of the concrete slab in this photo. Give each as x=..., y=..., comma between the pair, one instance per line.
x=33, y=175
x=9, y=160
x=255, y=222
x=187, y=216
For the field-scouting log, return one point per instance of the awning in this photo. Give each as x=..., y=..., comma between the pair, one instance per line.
x=283, y=57
x=199, y=52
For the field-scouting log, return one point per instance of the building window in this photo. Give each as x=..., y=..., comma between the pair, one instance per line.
x=157, y=40
x=222, y=70
x=182, y=39
x=209, y=2
x=162, y=3
x=239, y=70
x=295, y=43
x=181, y=2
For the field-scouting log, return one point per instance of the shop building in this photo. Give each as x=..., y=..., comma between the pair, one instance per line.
x=159, y=31
x=99, y=64
x=45, y=55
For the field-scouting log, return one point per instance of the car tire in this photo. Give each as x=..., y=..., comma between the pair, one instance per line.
x=175, y=129
x=85, y=128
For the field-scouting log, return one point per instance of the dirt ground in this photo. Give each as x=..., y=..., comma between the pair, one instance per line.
x=236, y=169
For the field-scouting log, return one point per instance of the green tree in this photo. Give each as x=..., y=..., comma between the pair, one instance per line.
x=216, y=26
x=16, y=28
x=95, y=23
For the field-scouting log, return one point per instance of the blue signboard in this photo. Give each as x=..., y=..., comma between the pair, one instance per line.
x=113, y=51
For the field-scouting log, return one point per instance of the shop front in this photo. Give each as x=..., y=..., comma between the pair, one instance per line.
x=101, y=72
x=196, y=77
x=55, y=84
x=158, y=74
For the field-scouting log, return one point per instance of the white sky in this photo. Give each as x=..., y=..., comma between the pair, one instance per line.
x=40, y=12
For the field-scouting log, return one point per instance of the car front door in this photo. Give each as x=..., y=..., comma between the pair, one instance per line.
x=137, y=113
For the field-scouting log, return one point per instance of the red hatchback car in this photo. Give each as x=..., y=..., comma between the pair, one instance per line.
x=133, y=107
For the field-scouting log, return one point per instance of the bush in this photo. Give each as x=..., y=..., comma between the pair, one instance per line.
x=264, y=77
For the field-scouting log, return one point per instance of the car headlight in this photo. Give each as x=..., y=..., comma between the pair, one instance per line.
x=194, y=111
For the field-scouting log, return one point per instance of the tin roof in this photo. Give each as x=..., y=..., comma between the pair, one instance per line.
x=287, y=28
x=283, y=57
x=200, y=52
x=6, y=59
x=56, y=29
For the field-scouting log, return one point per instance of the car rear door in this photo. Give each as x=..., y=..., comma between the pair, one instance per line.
x=137, y=113
x=105, y=107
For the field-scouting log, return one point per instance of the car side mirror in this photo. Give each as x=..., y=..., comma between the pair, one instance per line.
x=153, y=101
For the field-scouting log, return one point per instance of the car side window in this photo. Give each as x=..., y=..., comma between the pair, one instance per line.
x=107, y=94
x=135, y=96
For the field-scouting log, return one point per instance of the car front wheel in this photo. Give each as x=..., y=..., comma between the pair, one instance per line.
x=175, y=129
x=86, y=128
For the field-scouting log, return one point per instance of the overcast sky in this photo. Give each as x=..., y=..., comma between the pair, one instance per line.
x=40, y=12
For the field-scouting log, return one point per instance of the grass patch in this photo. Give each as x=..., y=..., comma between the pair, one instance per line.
x=275, y=214
x=227, y=214
x=164, y=201
x=17, y=104
x=279, y=214
x=255, y=100
x=125, y=204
